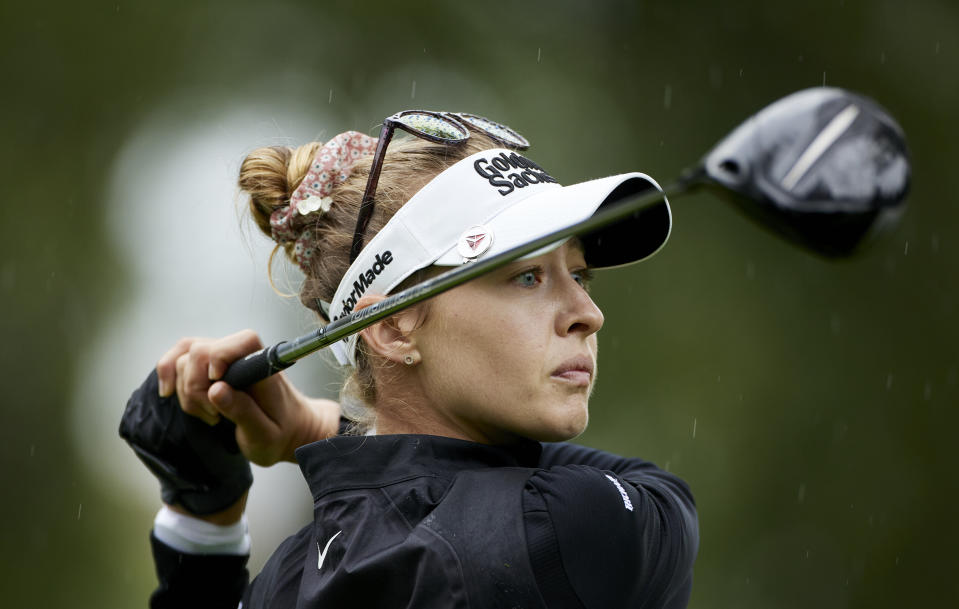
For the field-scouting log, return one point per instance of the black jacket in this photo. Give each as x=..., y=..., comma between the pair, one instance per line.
x=422, y=521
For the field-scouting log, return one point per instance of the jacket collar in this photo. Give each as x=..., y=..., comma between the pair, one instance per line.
x=346, y=462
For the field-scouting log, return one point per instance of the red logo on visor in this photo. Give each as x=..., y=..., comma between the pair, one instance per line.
x=474, y=242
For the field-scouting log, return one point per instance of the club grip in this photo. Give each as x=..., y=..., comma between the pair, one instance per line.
x=253, y=368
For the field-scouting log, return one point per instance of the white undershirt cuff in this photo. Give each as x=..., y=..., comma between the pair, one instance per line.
x=191, y=535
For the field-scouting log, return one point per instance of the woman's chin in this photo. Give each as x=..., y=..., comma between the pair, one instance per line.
x=565, y=427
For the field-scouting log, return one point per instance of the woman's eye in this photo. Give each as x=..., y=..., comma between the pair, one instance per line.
x=583, y=277
x=527, y=279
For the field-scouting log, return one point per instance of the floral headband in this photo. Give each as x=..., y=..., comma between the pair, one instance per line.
x=331, y=166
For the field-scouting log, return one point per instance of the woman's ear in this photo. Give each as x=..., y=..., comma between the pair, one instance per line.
x=392, y=338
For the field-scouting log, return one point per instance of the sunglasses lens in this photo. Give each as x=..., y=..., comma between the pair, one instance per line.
x=434, y=127
x=497, y=131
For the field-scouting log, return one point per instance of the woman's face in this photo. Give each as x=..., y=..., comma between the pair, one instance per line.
x=512, y=353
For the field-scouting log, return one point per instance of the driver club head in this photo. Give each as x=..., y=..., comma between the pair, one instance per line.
x=823, y=167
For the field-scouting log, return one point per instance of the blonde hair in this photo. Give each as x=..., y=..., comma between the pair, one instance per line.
x=271, y=174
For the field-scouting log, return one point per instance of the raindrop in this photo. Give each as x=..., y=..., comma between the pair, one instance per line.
x=719, y=378
x=824, y=78
x=905, y=251
x=750, y=270
x=413, y=91
x=539, y=54
x=937, y=47
x=882, y=57
x=807, y=552
x=331, y=96
x=33, y=449
x=694, y=427
x=79, y=511
x=897, y=560
x=740, y=72
x=800, y=59
x=667, y=97
x=888, y=381
x=666, y=467
x=801, y=497
x=927, y=391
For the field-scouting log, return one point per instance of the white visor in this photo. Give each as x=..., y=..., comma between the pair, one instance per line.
x=488, y=203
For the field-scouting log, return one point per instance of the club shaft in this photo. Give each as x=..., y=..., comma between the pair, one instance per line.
x=268, y=361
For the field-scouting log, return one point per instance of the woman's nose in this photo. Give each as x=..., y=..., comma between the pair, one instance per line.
x=580, y=314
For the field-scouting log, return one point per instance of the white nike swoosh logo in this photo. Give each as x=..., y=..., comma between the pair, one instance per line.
x=319, y=561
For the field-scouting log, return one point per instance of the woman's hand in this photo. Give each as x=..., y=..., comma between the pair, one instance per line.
x=272, y=417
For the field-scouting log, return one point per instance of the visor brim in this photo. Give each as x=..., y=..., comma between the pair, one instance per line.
x=632, y=240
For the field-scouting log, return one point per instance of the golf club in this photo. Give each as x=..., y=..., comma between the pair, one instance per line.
x=825, y=168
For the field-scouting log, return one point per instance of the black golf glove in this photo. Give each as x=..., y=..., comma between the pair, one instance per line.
x=200, y=467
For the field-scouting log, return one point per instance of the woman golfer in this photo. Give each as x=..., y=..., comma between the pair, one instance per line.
x=441, y=478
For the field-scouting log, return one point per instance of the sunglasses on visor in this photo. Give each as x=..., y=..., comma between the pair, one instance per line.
x=440, y=127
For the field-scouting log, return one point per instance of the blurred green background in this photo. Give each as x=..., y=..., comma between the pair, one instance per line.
x=810, y=404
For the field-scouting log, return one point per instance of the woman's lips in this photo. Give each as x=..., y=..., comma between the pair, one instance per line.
x=577, y=370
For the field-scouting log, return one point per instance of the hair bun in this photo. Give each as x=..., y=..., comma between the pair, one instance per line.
x=263, y=177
